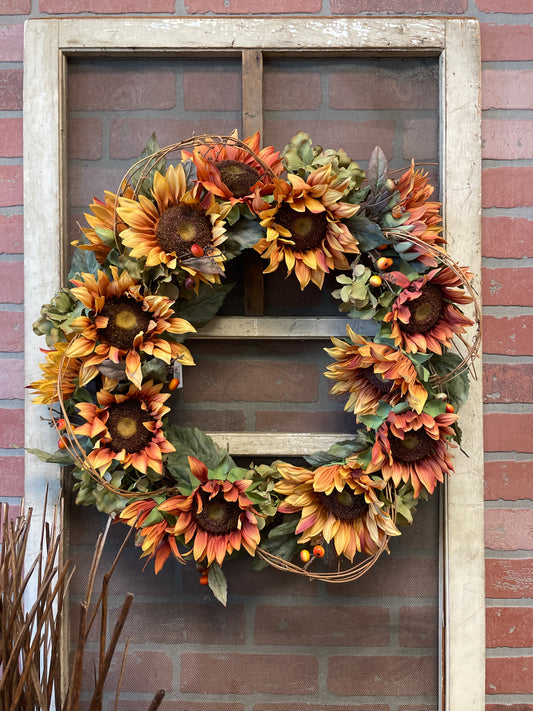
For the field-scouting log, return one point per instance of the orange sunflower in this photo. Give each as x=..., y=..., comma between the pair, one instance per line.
x=371, y=372
x=154, y=539
x=126, y=428
x=164, y=231
x=339, y=503
x=413, y=447
x=304, y=226
x=233, y=173
x=121, y=324
x=103, y=221
x=56, y=363
x=421, y=215
x=217, y=516
x=424, y=316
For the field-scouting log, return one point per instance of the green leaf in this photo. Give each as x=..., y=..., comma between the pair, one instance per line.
x=243, y=236
x=200, y=309
x=154, y=516
x=155, y=369
x=83, y=262
x=218, y=583
x=151, y=147
x=366, y=232
x=337, y=452
x=434, y=407
x=280, y=540
x=192, y=442
x=378, y=167
x=60, y=457
x=456, y=388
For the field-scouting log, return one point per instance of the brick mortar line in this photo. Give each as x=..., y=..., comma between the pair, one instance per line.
x=511, y=408
x=506, y=457
x=499, y=504
x=504, y=311
x=506, y=262
x=525, y=211
x=493, y=554
x=513, y=652
x=494, y=163
x=518, y=603
x=503, y=359
x=504, y=114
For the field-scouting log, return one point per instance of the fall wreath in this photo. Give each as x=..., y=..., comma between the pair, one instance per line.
x=150, y=269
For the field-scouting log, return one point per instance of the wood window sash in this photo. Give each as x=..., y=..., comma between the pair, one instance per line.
x=48, y=44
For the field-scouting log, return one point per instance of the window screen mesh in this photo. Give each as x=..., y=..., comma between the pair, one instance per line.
x=283, y=643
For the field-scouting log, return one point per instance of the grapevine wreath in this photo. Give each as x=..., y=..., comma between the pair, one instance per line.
x=150, y=269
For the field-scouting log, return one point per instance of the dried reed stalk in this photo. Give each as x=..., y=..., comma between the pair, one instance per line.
x=31, y=657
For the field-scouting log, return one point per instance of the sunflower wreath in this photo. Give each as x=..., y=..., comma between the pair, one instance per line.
x=149, y=270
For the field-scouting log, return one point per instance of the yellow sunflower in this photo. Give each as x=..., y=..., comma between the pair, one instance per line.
x=304, y=227
x=57, y=368
x=177, y=228
x=126, y=428
x=233, y=173
x=425, y=317
x=413, y=447
x=103, y=220
x=338, y=503
x=121, y=324
x=217, y=517
x=371, y=372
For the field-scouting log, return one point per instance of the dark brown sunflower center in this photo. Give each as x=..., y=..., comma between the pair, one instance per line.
x=307, y=228
x=239, y=178
x=383, y=385
x=181, y=226
x=218, y=515
x=425, y=310
x=125, y=426
x=126, y=319
x=416, y=445
x=345, y=505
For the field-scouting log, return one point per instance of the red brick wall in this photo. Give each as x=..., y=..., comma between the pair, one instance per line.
x=507, y=53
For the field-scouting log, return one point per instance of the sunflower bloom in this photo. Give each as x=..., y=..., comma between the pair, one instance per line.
x=122, y=324
x=233, y=173
x=57, y=368
x=413, y=447
x=154, y=539
x=339, y=503
x=217, y=517
x=163, y=232
x=425, y=317
x=126, y=428
x=371, y=372
x=304, y=227
x=421, y=215
x=104, y=219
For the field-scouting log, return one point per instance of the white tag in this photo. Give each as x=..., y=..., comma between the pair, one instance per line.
x=178, y=373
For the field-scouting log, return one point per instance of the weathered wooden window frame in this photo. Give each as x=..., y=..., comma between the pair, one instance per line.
x=49, y=43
